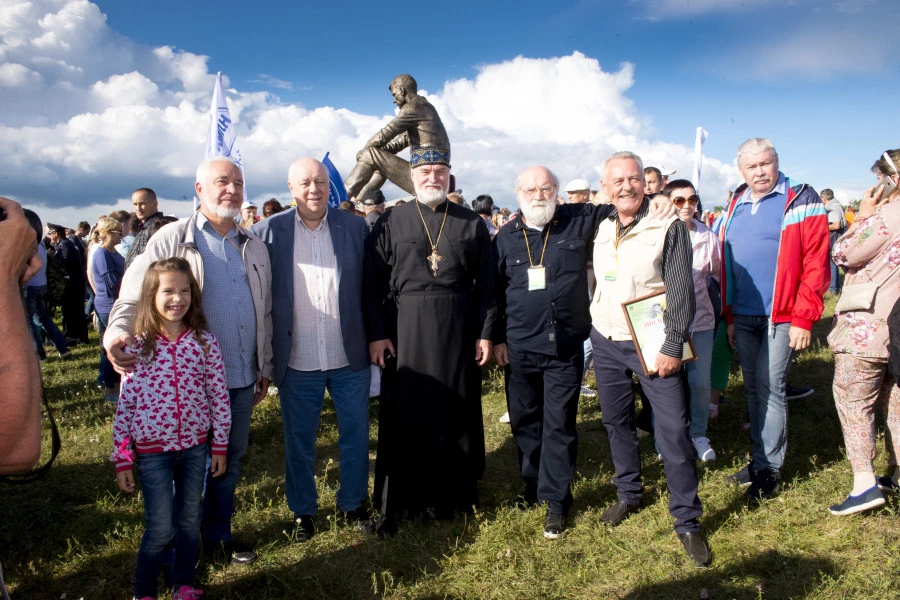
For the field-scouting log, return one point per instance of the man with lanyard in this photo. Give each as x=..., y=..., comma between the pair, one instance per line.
x=233, y=269
x=636, y=254
x=429, y=293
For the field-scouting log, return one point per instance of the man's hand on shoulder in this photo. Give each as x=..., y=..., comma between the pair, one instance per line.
x=121, y=353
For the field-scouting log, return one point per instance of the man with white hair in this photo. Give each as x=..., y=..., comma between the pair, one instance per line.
x=542, y=323
x=429, y=295
x=232, y=267
x=637, y=254
x=578, y=191
x=775, y=237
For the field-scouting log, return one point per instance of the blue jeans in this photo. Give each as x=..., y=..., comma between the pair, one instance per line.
x=170, y=512
x=108, y=377
x=36, y=307
x=698, y=374
x=302, y=394
x=218, y=501
x=835, y=285
x=764, y=358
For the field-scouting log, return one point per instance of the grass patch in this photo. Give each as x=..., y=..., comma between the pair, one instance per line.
x=73, y=533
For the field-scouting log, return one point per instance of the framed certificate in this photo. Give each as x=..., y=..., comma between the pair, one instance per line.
x=644, y=316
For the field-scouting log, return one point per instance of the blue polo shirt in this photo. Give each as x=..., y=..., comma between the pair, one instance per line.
x=753, y=235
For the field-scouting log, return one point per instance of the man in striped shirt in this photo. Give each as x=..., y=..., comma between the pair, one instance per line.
x=636, y=254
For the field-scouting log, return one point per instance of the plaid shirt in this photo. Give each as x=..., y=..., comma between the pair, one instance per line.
x=140, y=239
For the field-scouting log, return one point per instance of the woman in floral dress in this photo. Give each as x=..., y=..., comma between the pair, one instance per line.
x=870, y=253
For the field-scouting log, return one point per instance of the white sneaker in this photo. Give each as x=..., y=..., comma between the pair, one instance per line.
x=704, y=452
x=504, y=418
x=587, y=392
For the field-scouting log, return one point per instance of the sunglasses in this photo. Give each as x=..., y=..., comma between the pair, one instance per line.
x=692, y=200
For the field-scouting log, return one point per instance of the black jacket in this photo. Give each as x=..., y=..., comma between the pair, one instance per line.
x=556, y=320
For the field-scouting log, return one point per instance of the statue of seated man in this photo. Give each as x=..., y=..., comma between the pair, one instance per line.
x=417, y=124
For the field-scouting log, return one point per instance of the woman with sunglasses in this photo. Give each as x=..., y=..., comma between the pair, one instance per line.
x=870, y=252
x=706, y=264
x=108, y=267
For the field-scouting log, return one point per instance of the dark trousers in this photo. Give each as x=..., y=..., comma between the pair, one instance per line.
x=543, y=394
x=666, y=396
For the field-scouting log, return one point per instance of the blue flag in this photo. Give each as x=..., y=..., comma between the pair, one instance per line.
x=338, y=193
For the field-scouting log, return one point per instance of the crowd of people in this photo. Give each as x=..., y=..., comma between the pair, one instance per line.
x=199, y=316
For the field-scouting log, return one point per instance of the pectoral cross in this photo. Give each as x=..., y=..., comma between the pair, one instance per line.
x=433, y=259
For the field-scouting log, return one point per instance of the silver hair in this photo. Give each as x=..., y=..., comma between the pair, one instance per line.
x=622, y=155
x=201, y=169
x=553, y=178
x=755, y=146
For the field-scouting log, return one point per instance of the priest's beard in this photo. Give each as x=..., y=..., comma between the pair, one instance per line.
x=222, y=212
x=430, y=194
x=538, y=213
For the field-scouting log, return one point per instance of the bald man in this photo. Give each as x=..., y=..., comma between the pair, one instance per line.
x=319, y=342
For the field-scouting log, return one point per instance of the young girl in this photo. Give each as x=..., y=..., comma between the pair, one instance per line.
x=167, y=406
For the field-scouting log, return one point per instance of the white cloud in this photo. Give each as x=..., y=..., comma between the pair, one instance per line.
x=94, y=130
x=14, y=75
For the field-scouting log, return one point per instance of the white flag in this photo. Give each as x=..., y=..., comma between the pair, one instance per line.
x=221, y=139
x=698, y=158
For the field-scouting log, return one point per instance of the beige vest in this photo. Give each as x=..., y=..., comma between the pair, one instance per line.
x=636, y=266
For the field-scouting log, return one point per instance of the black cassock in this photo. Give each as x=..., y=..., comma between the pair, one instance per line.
x=430, y=433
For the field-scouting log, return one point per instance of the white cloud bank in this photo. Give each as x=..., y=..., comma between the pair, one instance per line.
x=87, y=115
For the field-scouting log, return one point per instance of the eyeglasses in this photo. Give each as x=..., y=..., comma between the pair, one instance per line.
x=692, y=200
x=544, y=190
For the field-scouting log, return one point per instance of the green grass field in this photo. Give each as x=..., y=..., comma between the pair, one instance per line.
x=73, y=535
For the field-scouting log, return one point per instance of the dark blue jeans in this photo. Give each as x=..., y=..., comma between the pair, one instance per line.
x=170, y=512
x=36, y=307
x=302, y=394
x=218, y=502
x=108, y=377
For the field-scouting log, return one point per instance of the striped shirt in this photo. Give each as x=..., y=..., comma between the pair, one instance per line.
x=228, y=302
x=677, y=275
x=316, y=342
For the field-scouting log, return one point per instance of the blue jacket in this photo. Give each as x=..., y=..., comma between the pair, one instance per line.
x=348, y=236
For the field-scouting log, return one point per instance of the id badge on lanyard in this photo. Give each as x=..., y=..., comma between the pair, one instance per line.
x=537, y=278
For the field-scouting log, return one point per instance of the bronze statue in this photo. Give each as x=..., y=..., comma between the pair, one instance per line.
x=418, y=124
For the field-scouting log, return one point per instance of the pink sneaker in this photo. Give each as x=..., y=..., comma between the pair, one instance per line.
x=186, y=592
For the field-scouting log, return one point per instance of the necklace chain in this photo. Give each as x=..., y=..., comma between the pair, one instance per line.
x=434, y=257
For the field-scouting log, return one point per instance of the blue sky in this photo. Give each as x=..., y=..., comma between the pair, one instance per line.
x=819, y=78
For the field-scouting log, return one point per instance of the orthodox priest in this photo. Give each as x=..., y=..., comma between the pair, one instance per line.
x=430, y=311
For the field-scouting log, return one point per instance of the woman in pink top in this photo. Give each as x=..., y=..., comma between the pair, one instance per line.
x=706, y=264
x=870, y=253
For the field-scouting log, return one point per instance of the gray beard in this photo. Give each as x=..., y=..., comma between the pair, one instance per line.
x=431, y=197
x=538, y=216
x=222, y=212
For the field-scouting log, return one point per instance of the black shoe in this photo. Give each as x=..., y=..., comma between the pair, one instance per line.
x=232, y=552
x=523, y=502
x=616, y=513
x=743, y=478
x=764, y=485
x=696, y=548
x=554, y=526
x=360, y=519
x=304, y=528
x=795, y=393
